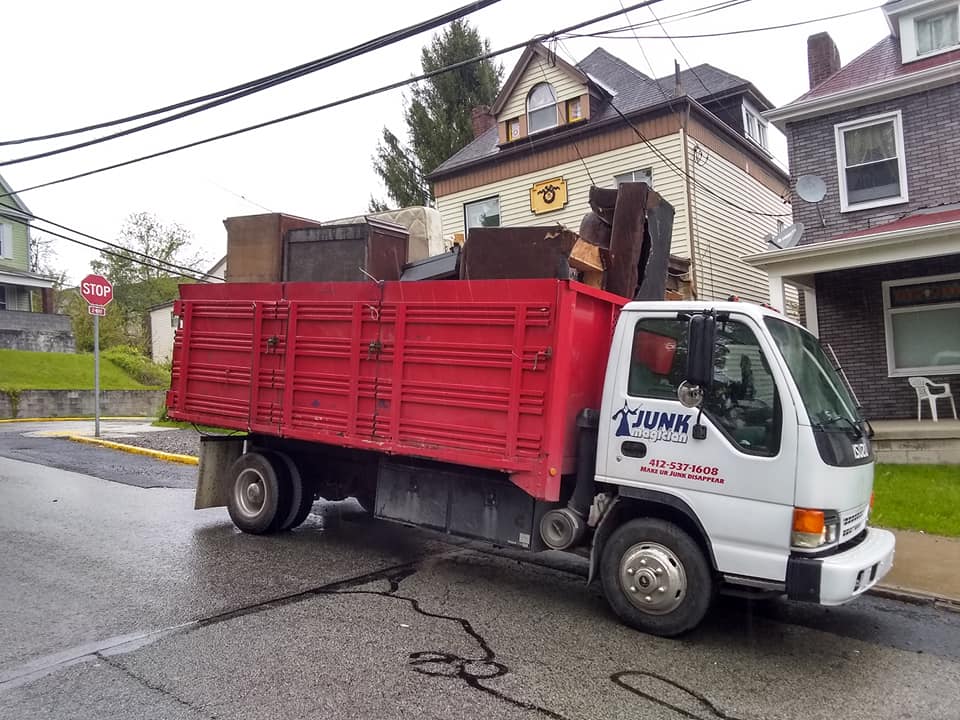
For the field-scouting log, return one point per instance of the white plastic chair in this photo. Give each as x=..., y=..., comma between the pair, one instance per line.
x=925, y=391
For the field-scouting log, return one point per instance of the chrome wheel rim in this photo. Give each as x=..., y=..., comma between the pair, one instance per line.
x=250, y=492
x=652, y=578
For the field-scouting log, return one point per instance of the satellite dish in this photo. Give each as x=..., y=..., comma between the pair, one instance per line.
x=786, y=238
x=811, y=188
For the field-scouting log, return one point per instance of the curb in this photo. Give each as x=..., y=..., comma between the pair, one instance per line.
x=75, y=419
x=156, y=454
x=915, y=597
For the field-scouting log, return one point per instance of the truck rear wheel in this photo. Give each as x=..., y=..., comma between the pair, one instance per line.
x=655, y=577
x=301, y=495
x=259, y=499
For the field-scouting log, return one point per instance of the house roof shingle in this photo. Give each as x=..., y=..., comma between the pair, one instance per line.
x=881, y=62
x=632, y=92
x=911, y=222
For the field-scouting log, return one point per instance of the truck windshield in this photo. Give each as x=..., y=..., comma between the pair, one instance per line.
x=825, y=397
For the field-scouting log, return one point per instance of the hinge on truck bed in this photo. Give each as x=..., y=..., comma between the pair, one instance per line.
x=374, y=348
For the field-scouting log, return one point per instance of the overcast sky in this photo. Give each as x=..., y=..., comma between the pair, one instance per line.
x=69, y=64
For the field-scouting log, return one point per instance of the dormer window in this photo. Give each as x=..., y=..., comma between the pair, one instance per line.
x=926, y=31
x=754, y=126
x=541, y=108
x=937, y=32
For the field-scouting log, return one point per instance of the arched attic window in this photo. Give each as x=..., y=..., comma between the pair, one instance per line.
x=541, y=108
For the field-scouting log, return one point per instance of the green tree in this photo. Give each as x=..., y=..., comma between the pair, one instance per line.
x=437, y=115
x=138, y=283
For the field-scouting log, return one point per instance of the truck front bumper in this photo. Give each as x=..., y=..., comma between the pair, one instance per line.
x=839, y=578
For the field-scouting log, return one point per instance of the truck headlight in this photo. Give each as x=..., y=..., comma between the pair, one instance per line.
x=814, y=528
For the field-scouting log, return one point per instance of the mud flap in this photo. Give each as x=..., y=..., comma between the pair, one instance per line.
x=608, y=523
x=217, y=455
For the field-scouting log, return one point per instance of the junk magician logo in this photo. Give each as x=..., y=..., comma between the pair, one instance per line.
x=652, y=424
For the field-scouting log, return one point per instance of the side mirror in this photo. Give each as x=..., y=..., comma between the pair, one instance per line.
x=701, y=338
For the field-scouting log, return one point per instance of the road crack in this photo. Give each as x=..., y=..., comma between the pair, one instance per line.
x=198, y=709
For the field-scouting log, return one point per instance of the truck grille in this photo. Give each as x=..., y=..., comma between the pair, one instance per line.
x=852, y=522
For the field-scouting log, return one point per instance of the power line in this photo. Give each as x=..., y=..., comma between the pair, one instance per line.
x=110, y=253
x=253, y=86
x=671, y=165
x=171, y=267
x=260, y=86
x=610, y=34
x=679, y=52
x=643, y=52
x=335, y=103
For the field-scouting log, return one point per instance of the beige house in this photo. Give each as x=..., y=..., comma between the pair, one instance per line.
x=697, y=138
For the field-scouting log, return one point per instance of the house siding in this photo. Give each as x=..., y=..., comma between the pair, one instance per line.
x=514, y=192
x=539, y=70
x=21, y=252
x=723, y=234
x=931, y=137
x=851, y=320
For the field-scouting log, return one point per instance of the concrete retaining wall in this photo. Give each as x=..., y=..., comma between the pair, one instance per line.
x=74, y=403
x=39, y=332
x=928, y=451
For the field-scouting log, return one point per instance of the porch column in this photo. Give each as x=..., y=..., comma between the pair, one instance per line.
x=777, y=299
x=810, y=310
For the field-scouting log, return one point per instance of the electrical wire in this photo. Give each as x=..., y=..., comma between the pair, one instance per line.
x=671, y=165
x=170, y=267
x=610, y=34
x=252, y=86
x=680, y=53
x=109, y=252
x=335, y=103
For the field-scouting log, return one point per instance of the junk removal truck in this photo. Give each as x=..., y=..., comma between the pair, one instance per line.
x=684, y=447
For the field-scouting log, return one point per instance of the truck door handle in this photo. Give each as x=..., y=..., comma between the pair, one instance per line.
x=633, y=449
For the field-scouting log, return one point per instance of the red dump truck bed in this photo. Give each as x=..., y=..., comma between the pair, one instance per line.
x=484, y=373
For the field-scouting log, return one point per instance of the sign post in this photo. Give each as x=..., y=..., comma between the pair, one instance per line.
x=98, y=292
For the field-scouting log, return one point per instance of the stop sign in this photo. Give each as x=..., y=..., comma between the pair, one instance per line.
x=96, y=290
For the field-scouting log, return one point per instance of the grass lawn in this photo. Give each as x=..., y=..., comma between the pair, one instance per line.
x=918, y=497
x=24, y=370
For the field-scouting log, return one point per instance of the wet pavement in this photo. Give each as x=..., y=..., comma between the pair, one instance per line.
x=120, y=601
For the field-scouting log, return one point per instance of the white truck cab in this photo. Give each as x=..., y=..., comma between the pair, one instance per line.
x=765, y=464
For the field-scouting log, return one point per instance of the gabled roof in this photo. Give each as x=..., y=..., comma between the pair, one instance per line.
x=881, y=62
x=11, y=197
x=875, y=75
x=627, y=90
x=532, y=50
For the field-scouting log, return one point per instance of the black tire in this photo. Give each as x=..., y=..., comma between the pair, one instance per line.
x=261, y=509
x=301, y=495
x=679, y=595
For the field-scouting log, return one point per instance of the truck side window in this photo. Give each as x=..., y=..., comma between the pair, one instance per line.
x=743, y=402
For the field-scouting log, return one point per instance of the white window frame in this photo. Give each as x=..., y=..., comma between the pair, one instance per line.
x=888, y=312
x=466, y=227
x=6, y=241
x=555, y=105
x=908, y=32
x=751, y=113
x=839, y=129
x=648, y=171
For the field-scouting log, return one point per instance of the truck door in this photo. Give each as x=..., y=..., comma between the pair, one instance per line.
x=739, y=479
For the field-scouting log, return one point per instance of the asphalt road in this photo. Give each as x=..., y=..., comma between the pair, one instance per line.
x=120, y=601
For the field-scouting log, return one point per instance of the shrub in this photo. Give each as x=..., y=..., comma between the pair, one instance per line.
x=138, y=366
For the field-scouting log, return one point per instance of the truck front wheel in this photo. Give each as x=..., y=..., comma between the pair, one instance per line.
x=259, y=493
x=655, y=577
